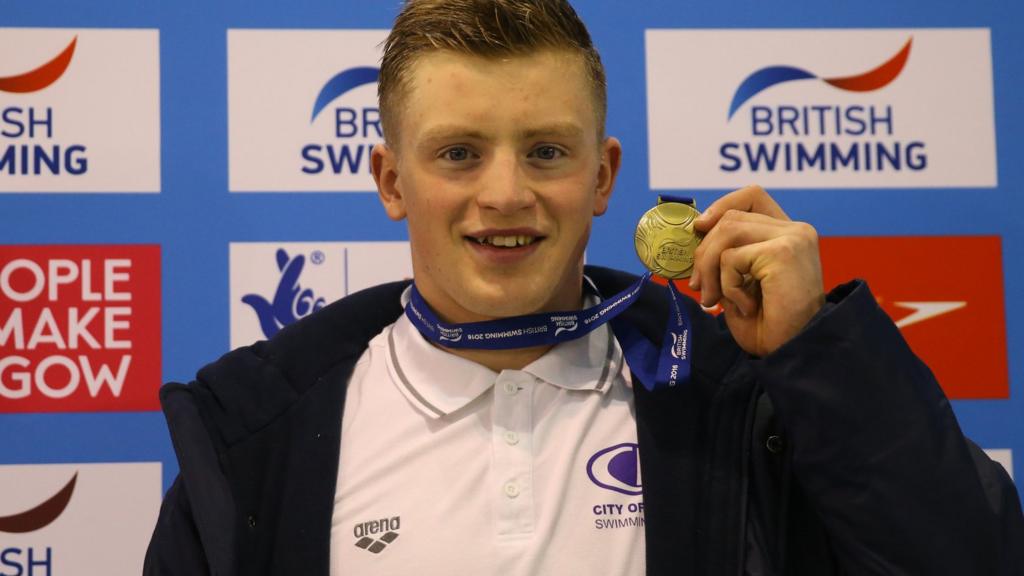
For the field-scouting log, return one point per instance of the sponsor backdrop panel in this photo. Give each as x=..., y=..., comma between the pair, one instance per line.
x=80, y=110
x=77, y=518
x=179, y=179
x=848, y=114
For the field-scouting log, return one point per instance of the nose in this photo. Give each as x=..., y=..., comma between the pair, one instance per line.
x=504, y=187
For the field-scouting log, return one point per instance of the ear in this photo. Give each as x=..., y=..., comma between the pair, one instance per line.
x=384, y=165
x=611, y=159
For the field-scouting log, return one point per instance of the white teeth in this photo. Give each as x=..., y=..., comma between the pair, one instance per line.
x=507, y=241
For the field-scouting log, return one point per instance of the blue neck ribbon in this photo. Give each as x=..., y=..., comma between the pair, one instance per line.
x=655, y=369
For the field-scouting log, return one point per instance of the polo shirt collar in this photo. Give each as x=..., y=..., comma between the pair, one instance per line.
x=438, y=383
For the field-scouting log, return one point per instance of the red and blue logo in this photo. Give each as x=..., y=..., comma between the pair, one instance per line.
x=874, y=79
x=41, y=77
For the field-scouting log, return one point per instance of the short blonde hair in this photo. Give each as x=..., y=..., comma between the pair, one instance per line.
x=487, y=28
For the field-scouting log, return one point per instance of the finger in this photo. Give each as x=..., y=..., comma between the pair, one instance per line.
x=735, y=229
x=738, y=285
x=747, y=199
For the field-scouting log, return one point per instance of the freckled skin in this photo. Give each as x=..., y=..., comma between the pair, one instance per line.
x=497, y=100
x=497, y=144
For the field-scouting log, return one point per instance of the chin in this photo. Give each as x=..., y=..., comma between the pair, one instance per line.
x=509, y=298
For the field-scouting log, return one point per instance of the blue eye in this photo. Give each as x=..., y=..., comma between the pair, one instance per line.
x=456, y=154
x=547, y=153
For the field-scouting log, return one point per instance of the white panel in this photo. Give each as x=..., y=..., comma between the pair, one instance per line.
x=935, y=118
x=274, y=80
x=100, y=119
x=104, y=529
x=314, y=272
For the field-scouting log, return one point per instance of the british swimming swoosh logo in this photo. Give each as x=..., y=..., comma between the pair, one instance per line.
x=42, y=515
x=41, y=77
x=341, y=83
x=873, y=79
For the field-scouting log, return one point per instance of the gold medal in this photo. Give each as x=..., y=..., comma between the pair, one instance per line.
x=665, y=239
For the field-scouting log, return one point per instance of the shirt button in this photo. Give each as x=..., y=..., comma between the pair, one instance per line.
x=511, y=438
x=511, y=489
x=511, y=388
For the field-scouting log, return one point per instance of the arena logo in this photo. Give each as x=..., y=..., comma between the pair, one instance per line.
x=855, y=121
x=79, y=328
x=49, y=522
x=54, y=85
x=323, y=114
x=275, y=284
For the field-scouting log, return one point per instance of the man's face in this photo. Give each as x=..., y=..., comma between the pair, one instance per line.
x=499, y=171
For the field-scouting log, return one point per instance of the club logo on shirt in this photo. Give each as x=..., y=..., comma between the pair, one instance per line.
x=617, y=468
x=366, y=533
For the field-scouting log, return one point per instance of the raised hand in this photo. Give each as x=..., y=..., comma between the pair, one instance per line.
x=763, y=268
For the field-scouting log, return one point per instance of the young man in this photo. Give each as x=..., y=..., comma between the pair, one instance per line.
x=809, y=440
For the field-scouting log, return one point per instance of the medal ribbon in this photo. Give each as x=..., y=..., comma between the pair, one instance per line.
x=654, y=370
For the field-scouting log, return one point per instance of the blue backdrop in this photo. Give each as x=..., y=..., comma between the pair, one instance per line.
x=194, y=217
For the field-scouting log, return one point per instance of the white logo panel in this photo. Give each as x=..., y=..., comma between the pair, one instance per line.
x=79, y=110
x=77, y=518
x=820, y=108
x=1004, y=456
x=275, y=284
x=302, y=109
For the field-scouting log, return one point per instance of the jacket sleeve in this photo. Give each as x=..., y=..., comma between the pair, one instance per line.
x=194, y=534
x=877, y=449
x=175, y=547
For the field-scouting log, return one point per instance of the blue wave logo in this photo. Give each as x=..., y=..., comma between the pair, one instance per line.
x=341, y=83
x=291, y=301
x=617, y=468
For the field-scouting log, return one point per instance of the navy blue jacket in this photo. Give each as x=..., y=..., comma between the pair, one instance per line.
x=836, y=454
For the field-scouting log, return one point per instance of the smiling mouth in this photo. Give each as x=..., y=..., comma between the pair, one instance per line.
x=514, y=241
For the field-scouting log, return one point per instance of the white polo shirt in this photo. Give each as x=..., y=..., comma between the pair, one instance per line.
x=447, y=467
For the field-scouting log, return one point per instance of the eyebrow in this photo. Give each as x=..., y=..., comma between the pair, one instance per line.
x=455, y=131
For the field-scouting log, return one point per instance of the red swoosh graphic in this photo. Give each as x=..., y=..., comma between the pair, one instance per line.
x=42, y=76
x=876, y=78
x=41, y=515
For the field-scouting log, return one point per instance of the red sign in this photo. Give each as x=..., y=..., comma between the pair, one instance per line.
x=79, y=328
x=945, y=293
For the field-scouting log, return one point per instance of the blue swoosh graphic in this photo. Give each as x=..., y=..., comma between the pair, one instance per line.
x=765, y=78
x=343, y=82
